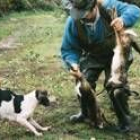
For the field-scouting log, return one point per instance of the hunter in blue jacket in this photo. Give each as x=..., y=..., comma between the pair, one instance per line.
x=88, y=43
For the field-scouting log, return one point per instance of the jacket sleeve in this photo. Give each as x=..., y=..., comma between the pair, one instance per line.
x=128, y=12
x=70, y=48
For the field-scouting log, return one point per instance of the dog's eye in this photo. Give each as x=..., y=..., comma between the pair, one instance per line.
x=45, y=93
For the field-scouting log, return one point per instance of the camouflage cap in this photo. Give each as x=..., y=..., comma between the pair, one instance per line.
x=78, y=8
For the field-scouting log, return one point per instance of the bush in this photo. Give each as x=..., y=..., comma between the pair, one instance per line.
x=19, y=5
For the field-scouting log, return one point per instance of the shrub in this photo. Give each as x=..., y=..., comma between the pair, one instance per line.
x=19, y=5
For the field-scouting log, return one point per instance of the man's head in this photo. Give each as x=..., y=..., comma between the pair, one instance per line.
x=79, y=8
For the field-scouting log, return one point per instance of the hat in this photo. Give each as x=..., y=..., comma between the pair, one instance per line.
x=79, y=8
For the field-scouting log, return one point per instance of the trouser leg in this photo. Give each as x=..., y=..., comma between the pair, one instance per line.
x=124, y=100
x=83, y=114
x=120, y=104
x=119, y=98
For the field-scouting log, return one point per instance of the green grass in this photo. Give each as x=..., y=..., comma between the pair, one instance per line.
x=36, y=62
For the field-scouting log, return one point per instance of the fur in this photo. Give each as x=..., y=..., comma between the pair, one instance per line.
x=84, y=90
x=121, y=54
x=20, y=108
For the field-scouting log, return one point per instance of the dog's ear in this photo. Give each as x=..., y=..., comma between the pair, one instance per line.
x=44, y=92
x=40, y=92
x=41, y=96
x=37, y=93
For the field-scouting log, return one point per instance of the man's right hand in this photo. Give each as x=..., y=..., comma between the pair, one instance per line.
x=75, y=71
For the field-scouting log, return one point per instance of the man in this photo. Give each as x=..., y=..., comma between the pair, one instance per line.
x=88, y=43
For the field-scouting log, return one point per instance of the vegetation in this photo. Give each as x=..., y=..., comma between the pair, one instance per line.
x=7, y=6
x=29, y=51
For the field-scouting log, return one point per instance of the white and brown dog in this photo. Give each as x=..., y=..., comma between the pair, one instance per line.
x=20, y=108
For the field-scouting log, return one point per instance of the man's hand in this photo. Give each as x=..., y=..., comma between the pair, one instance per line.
x=75, y=71
x=100, y=1
x=117, y=23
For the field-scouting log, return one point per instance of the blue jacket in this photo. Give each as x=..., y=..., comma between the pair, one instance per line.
x=71, y=49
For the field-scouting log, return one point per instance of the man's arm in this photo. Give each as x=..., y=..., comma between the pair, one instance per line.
x=70, y=48
x=129, y=13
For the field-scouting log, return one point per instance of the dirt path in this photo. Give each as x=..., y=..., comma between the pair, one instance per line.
x=10, y=42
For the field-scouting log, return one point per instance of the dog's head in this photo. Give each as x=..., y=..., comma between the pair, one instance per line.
x=126, y=37
x=42, y=97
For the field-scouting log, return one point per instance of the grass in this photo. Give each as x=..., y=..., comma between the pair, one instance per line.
x=36, y=62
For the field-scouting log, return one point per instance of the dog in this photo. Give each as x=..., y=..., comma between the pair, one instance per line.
x=87, y=95
x=20, y=108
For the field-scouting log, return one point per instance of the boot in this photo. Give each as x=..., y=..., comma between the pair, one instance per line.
x=83, y=114
x=77, y=118
x=125, y=126
x=119, y=100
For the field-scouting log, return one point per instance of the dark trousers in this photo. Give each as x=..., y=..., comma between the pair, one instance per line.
x=92, y=66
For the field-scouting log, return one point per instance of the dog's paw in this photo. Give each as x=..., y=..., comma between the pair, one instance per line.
x=46, y=128
x=38, y=134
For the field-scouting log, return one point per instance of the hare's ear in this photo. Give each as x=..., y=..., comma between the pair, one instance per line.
x=130, y=32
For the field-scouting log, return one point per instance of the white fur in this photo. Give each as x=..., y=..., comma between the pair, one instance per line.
x=118, y=60
x=28, y=106
x=78, y=85
x=7, y=110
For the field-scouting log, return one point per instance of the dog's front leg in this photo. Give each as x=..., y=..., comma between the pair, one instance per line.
x=36, y=125
x=25, y=123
